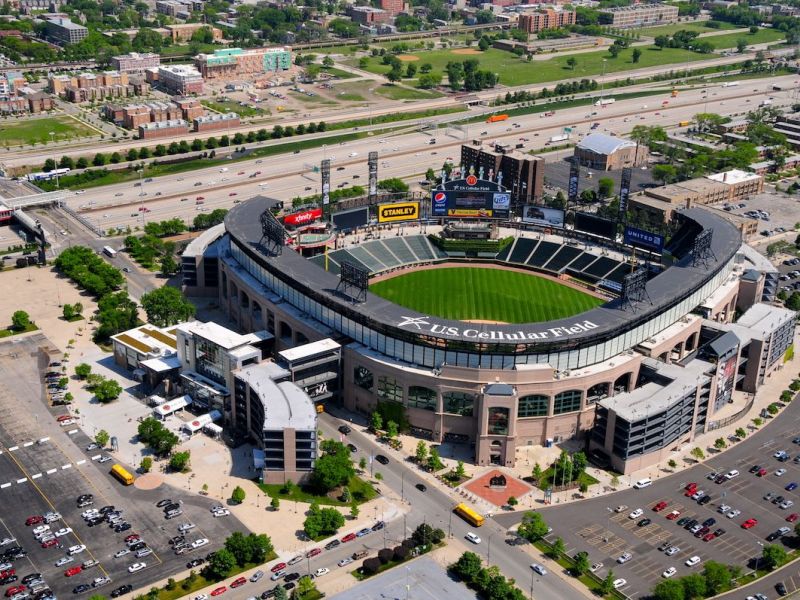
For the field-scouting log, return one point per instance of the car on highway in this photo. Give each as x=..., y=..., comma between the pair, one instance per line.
x=538, y=569
x=382, y=459
x=472, y=537
x=421, y=487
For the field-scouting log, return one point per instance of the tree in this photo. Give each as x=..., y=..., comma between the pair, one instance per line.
x=323, y=522
x=665, y=173
x=333, y=468
x=614, y=50
x=698, y=453
x=605, y=187
x=275, y=504
x=180, y=461
x=512, y=501
x=354, y=510
x=669, y=589
x=376, y=421
x=220, y=564
x=107, y=391
x=532, y=527
x=168, y=265
x=460, y=470
x=468, y=566
x=434, y=462
x=362, y=463
x=607, y=585
x=422, y=452
x=636, y=55
x=720, y=444
x=166, y=306
x=484, y=44
x=740, y=433
x=237, y=495
x=146, y=464
x=83, y=370
x=694, y=586
x=717, y=577
x=391, y=430
x=557, y=548
x=395, y=74
x=741, y=45
x=101, y=438
x=572, y=62
x=773, y=556
x=280, y=593
x=537, y=472
x=68, y=312
x=581, y=564
x=20, y=320
x=346, y=496
x=411, y=70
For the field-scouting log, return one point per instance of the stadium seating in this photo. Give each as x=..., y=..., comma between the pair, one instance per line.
x=564, y=256
x=364, y=256
x=544, y=252
x=583, y=261
x=522, y=249
x=420, y=246
x=401, y=250
x=600, y=268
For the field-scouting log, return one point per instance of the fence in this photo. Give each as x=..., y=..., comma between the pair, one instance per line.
x=713, y=425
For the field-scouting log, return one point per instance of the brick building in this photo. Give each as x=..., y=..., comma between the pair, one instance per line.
x=608, y=153
x=185, y=31
x=135, y=61
x=215, y=122
x=162, y=129
x=546, y=18
x=235, y=62
x=190, y=108
x=181, y=79
x=366, y=15
x=393, y=7
x=639, y=15
x=522, y=174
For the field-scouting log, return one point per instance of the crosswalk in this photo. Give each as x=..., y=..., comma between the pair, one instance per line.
x=51, y=471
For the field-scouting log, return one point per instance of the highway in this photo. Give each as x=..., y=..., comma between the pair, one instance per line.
x=400, y=155
x=35, y=156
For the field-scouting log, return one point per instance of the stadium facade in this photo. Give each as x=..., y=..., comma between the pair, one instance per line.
x=499, y=387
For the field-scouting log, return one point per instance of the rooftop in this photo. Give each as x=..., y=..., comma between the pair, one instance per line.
x=285, y=404
x=764, y=318
x=148, y=338
x=733, y=176
x=216, y=334
x=600, y=143
x=309, y=350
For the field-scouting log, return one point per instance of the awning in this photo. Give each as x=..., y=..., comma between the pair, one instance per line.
x=173, y=405
x=197, y=424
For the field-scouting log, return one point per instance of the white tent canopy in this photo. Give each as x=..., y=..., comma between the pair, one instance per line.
x=195, y=425
x=173, y=405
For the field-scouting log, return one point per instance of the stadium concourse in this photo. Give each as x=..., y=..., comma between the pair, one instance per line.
x=638, y=375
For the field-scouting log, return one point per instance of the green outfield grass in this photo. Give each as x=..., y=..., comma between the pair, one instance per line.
x=484, y=294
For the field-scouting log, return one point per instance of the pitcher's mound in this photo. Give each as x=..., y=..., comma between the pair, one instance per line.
x=149, y=481
x=408, y=57
x=466, y=51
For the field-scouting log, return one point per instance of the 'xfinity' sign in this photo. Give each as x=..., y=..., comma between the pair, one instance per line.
x=552, y=333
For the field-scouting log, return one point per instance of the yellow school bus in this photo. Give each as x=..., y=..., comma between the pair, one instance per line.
x=469, y=515
x=122, y=474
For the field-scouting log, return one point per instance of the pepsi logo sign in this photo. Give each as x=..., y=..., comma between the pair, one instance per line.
x=440, y=197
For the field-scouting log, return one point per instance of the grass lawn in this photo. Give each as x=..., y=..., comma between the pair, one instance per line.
x=484, y=294
x=9, y=331
x=316, y=99
x=200, y=582
x=761, y=36
x=694, y=26
x=396, y=92
x=547, y=475
x=227, y=106
x=183, y=49
x=15, y=133
x=340, y=73
x=361, y=490
x=515, y=71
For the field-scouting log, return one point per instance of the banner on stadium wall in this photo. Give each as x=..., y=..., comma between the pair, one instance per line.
x=644, y=239
x=303, y=218
x=398, y=211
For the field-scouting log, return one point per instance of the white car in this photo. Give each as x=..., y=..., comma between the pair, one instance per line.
x=724, y=508
x=779, y=454
x=77, y=549
x=40, y=529
x=135, y=567
x=222, y=513
x=734, y=513
x=698, y=494
x=473, y=538
x=672, y=550
x=537, y=568
x=621, y=508
x=7, y=541
x=90, y=514
x=636, y=514
x=780, y=472
x=321, y=572
x=186, y=527
x=199, y=543
x=52, y=516
x=618, y=583
x=596, y=567
x=64, y=561
x=99, y=581
x=345, y=561
x=201, y=597
x=295, y=560
x=731, y=474
x=623, y=558
x=786, y=504
x=692, y=561
x=669, y=572
x=63, y=531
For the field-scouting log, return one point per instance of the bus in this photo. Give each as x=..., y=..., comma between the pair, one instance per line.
x=110, y=251
x=120, y=473
x=469, y=515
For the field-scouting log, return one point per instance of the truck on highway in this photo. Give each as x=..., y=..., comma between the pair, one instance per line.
x=765, y=103
x=684, y=123
x=109, y=251
x=605, y=101
x=497, y=118
x=730, y=84
x=563, y=137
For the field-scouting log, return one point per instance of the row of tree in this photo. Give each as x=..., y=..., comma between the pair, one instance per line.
x=240, y=551
x=488, y=581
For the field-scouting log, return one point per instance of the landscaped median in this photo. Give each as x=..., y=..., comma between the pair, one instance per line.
x=424, y=539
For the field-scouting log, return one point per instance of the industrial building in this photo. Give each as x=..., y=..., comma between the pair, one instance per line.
x=639, y=15
x=609, y=153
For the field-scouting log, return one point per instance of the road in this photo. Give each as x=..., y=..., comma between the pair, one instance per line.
x=21, y=158
x=288, y=176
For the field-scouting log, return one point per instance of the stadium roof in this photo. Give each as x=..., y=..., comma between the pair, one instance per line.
x=600, y=143
x=593, y=326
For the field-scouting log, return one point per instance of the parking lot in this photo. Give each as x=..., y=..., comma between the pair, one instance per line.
x=595, y=527
x=45, y=467
x=777, y=210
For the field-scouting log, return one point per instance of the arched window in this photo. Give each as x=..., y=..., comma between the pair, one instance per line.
x=568, y=401
x=363, y=378
x=496, y=444
x=421, y=397
x=389, y=389
x=535, y=405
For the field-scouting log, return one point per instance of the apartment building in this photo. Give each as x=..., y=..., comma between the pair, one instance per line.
x=180, y=79
x=135, y=61
x=63, y=31
x=639, y=15
x=367, y=15
x=546, y=18
x=215, y=122
x=163, y=129
x=393, y=7
x=522, y=174
x=235, y=62
x=184, y=32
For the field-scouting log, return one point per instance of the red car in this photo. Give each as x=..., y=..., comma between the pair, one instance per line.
x=749, y=523
x=219, y=591
x=17, y=589
x=709, y=536
x=349, y=537
x=72, y=571
x=49, y=543
x=200, y=198
x=278, y=567
x=691, y=488
x=63, y=418
x=792, y=517
x=7, y=573
x=660, y=506
x=132, y=537
x=313, y=552
x=34, y=520
x=241, y=173
x=233, y=194
x=238, y=582
x=673, y=515
x=761, y=472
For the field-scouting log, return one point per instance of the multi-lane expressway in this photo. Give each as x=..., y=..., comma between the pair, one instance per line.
x=401, y=155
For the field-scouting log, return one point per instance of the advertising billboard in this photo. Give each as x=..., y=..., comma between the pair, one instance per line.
x=325, y=172
x=372, y=165
x=399, y=211
x=593, y=224
x=545, y=217
x=624, y=193
x=346, y=220
x=302, y=218
x=644, y=239
x=471, y=198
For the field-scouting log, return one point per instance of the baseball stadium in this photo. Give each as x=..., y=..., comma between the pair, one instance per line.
x=534, y=334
